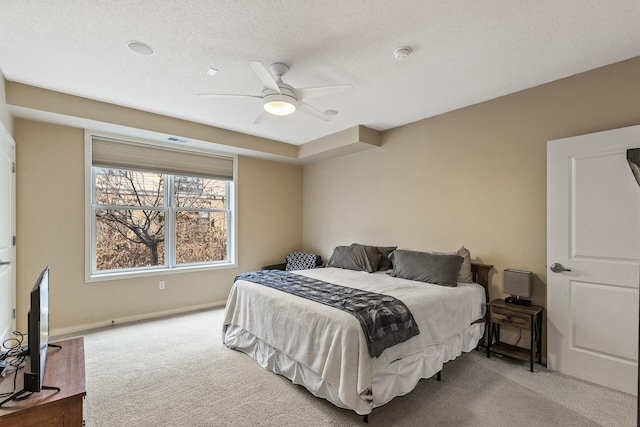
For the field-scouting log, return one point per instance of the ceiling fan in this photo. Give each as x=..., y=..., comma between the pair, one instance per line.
x=281, y=99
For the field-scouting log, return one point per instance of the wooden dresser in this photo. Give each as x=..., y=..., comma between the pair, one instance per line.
x=64, y=369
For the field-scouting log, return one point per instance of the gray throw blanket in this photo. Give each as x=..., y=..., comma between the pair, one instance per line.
x=385, y=320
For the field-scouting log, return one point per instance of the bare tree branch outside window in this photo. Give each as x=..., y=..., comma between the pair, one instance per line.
x=132, y=214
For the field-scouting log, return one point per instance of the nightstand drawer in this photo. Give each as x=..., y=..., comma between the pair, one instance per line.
x=510, y=318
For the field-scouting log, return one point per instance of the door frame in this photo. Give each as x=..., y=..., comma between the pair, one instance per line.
x=6, y=137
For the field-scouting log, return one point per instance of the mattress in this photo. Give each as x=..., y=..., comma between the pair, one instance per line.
x=323, y=348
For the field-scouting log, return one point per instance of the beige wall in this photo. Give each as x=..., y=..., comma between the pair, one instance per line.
x=473, y=177
x=50, y=230
x=39, y=99
x=476, y=176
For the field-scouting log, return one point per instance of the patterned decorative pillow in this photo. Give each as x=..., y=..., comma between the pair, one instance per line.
x=300, y=261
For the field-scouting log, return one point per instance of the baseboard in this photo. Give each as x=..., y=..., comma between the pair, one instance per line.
x=58, y=332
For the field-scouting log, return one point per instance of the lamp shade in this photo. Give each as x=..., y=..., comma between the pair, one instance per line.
x=517, y=282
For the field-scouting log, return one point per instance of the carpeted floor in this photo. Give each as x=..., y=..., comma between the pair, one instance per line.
x=176, y=372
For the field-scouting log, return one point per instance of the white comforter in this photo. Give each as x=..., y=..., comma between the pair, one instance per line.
x=331, y=343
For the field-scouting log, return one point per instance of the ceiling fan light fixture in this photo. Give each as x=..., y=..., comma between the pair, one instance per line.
x=279, y=108
x=279, y=105
x=281, y=99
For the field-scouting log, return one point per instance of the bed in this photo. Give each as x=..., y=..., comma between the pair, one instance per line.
x=325, y=350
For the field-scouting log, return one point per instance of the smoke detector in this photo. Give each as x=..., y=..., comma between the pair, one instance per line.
x=402, y=53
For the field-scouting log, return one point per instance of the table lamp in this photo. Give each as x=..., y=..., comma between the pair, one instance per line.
x=517, y=283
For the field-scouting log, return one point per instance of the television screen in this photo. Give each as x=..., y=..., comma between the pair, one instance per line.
x=38, y=330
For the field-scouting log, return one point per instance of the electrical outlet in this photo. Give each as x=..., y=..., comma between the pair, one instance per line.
x=161, y=285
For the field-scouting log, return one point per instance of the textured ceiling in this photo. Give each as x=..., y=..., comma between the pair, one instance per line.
x=464, y=52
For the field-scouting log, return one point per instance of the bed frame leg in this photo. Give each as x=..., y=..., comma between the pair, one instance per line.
x=365, y=418
x=439, y=376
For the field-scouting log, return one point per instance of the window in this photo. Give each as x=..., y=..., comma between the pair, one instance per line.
x=154, y=208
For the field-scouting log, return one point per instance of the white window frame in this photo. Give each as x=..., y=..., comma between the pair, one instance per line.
x=169, y=267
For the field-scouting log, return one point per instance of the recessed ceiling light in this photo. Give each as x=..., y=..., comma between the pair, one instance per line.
x=140, y=47
x=331, y=113
x=211, y=72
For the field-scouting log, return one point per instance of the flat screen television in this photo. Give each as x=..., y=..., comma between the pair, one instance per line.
x=38, y=330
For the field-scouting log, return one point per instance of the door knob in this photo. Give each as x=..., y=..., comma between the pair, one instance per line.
x=558, y=268
x=4, y=263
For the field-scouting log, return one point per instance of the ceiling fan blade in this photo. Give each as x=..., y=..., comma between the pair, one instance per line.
x=312, y=92
x=261, y=118
x=227, y=95
x=264, y=75
x=306, y=108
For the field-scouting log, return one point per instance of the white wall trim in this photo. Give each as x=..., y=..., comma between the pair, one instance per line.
x=131, y=319
x=7, y=319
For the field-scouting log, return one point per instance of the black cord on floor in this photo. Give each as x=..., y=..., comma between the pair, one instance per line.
x=16, y=354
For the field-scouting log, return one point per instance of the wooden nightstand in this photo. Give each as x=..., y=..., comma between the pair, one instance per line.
x=528, y=318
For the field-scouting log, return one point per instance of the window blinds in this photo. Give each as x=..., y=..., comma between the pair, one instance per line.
x=113, y=153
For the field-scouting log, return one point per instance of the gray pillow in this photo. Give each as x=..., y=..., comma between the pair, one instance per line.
x=465, y=274
x=426, y=267
x=384, y=263
x=358, y=258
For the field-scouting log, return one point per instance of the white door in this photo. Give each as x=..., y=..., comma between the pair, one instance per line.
x=593, y=229
x=7, y=209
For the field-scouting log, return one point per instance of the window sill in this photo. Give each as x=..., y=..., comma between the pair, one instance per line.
x=104, y=277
